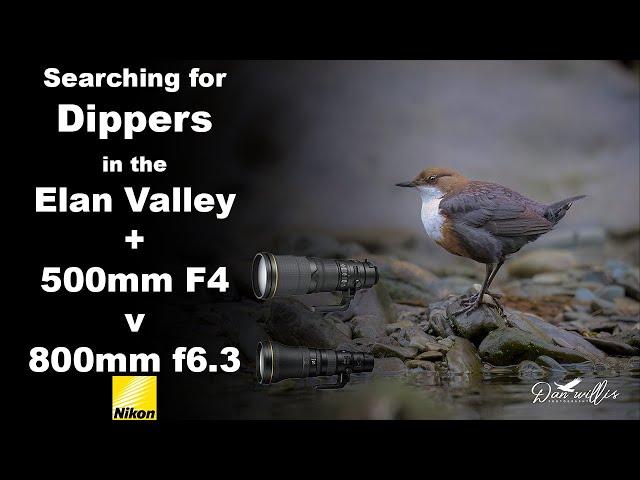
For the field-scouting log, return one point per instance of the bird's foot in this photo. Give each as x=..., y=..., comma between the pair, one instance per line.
x=468, y=304
x=467, y=309
x=473, y=302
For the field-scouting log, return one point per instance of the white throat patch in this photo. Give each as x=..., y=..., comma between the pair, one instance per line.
x=430, y=214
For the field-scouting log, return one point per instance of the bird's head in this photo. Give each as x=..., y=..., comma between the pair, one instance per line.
x=436, y=181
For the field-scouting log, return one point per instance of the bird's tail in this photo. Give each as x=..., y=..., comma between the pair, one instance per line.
x=557, y=210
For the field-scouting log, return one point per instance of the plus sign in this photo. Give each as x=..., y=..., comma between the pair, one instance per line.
x=134, y=239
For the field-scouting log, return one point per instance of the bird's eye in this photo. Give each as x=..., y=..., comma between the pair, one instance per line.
x=432, y=178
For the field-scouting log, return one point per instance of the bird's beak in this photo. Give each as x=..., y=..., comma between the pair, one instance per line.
x=406, y=184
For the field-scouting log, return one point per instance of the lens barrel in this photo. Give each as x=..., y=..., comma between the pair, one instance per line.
x=276, y=362
x=291, y=275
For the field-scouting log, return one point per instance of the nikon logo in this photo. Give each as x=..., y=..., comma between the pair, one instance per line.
x=134, y=398
x=133, y=414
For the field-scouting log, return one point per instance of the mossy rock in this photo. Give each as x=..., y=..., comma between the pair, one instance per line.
x=510, y=346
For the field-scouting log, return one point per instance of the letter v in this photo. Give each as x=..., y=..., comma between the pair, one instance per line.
x=136, y=205
x=134, y=325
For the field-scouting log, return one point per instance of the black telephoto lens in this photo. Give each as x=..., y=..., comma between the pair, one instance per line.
x=280, y=275
x=276, y=362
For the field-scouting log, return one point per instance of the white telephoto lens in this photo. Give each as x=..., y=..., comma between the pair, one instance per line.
x=262, y=276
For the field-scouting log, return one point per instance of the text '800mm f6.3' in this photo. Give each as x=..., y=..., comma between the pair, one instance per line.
x=282, y=275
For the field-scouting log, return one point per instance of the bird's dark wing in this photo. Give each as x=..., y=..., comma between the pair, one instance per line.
x=496, y=209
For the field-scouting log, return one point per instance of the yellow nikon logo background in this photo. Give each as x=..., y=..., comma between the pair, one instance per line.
x=134, y=398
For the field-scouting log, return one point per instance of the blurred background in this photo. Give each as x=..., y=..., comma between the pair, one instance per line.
x=316, y=147
x=336, y=136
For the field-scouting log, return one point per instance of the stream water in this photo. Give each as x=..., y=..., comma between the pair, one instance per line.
x=496, y=394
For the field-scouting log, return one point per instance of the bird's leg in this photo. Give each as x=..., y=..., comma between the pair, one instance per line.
x=473, y=302
x=472, y=298
x=495, y=296
x=494, y=272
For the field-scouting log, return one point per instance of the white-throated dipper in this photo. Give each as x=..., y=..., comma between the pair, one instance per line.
x=480, y=220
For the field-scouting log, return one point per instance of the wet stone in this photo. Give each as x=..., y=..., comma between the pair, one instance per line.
x=625, y=276
x=584, y=295
x=550, y=363
x=529, y=369
x=422, y=364
x=382, y=350
x=604, y=307
x=509, y=346
x=367, y=326
x=389, y=366
x=430, y=356
x=610, y=292
x=613, y=347
x=528, y=264
x=463, y=358
x=554, y=335
x=475, y=325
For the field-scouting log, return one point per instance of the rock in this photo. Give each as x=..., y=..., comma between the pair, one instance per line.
x=625, y=319
x=533, y=291
x=406, y=282
x=394, y=327
x=541, y=261
x=424, y=295
x=438, y=323
x=625, y=276
x=584, y=295
x=382, y=350
x=289, y=322
x=344, y=328
x=550, y=363
x=373, y=301
x=595, y=277
x=529, y=369
x=358, y=345
x=604, y=307
x=415, y=337
x=447, y=342
x=572, y=315
x=408, y=313
x=475, y=325
x=389, y=366
x=436, y=347
x=402, y=271
x=613, y=347
x=365, y=332
x=627, y=306
x=422, y=364
x=431, y=355
x=371, y=326
x=450, y=286
x=509, y=346
x=610, y=292
x=557, y=278
x=554, y=335
x=593, y=324
x=630, y=337
x=463, y=358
